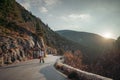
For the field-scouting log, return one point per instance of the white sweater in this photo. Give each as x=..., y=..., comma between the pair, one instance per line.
x=41, y=53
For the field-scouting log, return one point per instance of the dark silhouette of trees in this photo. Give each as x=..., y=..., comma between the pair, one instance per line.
x=118, y=43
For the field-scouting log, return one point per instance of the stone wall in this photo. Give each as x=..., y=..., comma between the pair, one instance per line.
x=76, y=74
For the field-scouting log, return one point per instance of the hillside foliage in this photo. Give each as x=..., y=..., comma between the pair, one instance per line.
x=107, y=65
x=21, y=32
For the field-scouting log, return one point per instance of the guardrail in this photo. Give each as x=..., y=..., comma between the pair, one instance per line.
x=77, y=74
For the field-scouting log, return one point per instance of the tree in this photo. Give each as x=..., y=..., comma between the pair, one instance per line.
x=118, y=42
x=39, y=29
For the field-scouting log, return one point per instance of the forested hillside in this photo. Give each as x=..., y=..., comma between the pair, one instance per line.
x=21, y=33
x=107, y=62
x=95, y=44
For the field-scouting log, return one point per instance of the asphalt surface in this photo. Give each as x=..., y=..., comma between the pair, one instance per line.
x=32, y=70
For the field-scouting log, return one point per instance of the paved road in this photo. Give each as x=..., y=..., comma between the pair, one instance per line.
x=32, y=70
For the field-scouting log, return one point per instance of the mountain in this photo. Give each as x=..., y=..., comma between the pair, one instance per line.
x=96, y=43
x=108, y=61
x=22, y=33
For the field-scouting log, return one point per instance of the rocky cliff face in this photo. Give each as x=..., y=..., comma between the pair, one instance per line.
x=16, y=47
x=17, y=37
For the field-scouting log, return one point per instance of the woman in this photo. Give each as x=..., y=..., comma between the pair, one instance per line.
x=41, y=56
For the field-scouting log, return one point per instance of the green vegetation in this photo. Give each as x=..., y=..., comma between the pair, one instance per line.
x=20, y=31
x=6, y=7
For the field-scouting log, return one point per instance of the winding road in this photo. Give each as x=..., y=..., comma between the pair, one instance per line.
x=32, y=70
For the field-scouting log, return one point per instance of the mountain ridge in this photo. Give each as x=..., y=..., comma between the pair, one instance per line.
x=94, y=42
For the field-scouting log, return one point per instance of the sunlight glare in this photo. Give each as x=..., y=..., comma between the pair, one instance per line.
x=107, y=35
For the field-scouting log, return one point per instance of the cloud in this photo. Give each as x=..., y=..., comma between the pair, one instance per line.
x=64, y=18
x=78, y=17
x=43, y=10
x=26, y=5
x=39, y=5
x=50, y=2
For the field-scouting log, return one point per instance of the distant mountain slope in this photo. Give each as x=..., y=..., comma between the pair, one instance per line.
x=108, y=64
x=92, y=41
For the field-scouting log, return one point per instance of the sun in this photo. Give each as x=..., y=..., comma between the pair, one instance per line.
x=107, y=35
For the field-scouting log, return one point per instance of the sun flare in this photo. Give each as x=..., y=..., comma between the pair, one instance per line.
x=107, y=35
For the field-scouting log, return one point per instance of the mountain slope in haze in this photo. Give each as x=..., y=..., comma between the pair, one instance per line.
x=94, y=42
x=106, y=64
x=21, y=33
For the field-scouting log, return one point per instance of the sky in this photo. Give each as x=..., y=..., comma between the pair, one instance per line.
x=95, y=16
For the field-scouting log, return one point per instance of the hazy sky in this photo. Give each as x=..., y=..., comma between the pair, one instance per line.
x=96, y=16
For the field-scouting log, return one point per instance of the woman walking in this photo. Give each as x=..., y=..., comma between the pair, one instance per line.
x=41, y=56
